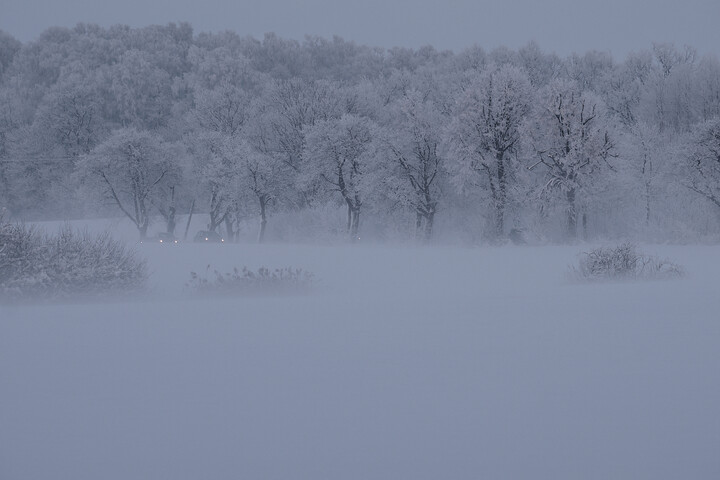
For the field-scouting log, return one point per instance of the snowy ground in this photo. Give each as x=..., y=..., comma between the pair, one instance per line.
x=404, y=363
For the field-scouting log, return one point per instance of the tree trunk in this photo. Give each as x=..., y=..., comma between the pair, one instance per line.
x=571, y=215
x=143, y=218
x=501, y=200
x=499, y=220
x=171, y=221
x=429, y=221
x=142, y=228
x=355, y=226
x=231, y=232
x=171, y=213
x=418, y=224
x=348, y=229
x=187, y=226
x=216, y=218
x=214, y=221
x=263, y=221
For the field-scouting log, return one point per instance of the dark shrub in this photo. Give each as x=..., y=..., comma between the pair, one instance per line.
x=623, y=262
x=244, y=281
x=66, y=265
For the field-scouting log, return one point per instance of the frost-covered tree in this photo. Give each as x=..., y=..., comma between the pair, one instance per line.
x=131, y=168
x=141, y=90
x=220, y=62
x=40, y=149
x=221, y=111
x=8, y=165
x=340, y=150
x=648, y=152
x=703, y=161
x=572, y=141
x=222, y=82
x=67, y=124
x=588, y=71
x=288, y=110
x=624, y=88
x=69, y=120
x=259, y=179
x=540, y=67
x=9, y=46
x=264, y=176
x=484, y=136
x=707, y=81
x=215, y=173
x=63, y=94
x=415, y=164
x=669, y=97
x=295, y=106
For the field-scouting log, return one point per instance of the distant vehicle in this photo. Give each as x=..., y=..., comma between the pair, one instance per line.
x=206, y=236
x=166, y=238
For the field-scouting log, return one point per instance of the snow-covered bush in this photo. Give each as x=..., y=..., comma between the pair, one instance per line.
x=66, y=265
x=245, y=281
x=623, y=262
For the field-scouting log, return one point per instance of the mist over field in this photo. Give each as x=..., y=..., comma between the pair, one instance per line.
x=410, y=362
x=223, y=256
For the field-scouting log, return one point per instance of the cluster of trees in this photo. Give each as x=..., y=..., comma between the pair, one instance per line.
x=160, y=121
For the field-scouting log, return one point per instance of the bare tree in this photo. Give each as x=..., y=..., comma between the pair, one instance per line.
x=572, y=141
x=340, y=151
x=413, y=145
x=703, y=162
x=264, y=174
x=648, y=154
x=484, y=137
x=130, y=168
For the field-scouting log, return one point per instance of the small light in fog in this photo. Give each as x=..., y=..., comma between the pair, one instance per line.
x=161, y=240
x=206, y=239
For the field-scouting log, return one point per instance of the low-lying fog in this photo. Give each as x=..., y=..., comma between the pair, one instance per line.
x=414, y=362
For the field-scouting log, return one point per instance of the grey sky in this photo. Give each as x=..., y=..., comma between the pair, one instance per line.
x=563, y=26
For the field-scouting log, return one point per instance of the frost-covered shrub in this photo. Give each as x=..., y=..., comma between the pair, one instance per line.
x=623, y=262
x=245, y=281
x=66, y=265
x=19, y=247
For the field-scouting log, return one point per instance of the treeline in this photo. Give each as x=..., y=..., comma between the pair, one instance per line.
x=325, y=137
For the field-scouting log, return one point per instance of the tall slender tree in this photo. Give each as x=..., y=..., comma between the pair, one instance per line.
x=572, y=141
x=484, y=136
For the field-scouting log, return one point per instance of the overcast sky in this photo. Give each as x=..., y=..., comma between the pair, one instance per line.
x=563, y=26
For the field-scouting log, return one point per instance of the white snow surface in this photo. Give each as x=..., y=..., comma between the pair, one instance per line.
x=403, y=363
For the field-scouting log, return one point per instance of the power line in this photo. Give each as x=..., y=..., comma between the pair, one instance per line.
x=38, y=159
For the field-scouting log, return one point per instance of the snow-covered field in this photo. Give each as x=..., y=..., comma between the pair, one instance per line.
x=403, y=363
